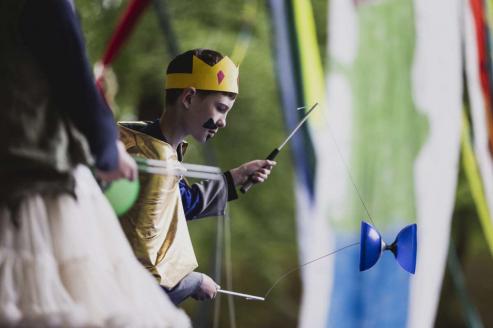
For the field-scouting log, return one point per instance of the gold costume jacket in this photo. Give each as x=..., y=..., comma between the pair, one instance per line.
x=156, y=226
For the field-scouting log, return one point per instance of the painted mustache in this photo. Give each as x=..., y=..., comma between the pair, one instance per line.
x=210, y=124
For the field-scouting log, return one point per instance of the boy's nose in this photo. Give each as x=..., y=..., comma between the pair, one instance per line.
x=221, y=123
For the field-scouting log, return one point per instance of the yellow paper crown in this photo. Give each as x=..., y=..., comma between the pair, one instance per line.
x=223, y=76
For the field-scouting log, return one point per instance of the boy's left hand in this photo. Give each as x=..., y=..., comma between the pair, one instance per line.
x=207, y=289
x=259, y=170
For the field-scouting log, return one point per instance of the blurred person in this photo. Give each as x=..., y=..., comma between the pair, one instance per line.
x=64, y=260
x=201, y=89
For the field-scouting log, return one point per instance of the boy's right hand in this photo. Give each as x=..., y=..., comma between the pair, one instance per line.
x=257, y=170
x=127, y=168
x=207, y=289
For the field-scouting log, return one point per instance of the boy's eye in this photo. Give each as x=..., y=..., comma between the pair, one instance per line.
x=221, y=109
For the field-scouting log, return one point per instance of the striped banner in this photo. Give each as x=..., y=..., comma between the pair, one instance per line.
x=301, y=82
x=478, y=160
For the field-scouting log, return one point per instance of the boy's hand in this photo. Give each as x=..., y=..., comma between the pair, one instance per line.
x=259, y=170
x=207, y=289
x=127, y=168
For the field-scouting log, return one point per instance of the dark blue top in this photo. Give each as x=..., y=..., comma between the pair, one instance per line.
x=190, y=195
x=52, y=33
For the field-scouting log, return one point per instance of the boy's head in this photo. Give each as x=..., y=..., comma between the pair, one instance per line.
x=204, y=84
x=201, y=73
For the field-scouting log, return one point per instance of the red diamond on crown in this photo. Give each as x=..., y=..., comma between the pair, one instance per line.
x=220, y=77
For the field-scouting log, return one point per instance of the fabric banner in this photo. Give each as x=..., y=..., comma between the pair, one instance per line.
x=438, y=93
x=478, y=160
x=301, y=83
x=401, y=113
x=389, y=136
x=395, y=100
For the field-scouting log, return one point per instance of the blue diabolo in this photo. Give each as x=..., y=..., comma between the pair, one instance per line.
x=404, y=247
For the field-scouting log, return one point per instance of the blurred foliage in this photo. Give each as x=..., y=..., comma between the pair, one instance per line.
x=262, y=222
x=475, y=260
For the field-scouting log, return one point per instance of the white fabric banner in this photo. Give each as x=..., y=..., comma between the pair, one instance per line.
x=437, y=91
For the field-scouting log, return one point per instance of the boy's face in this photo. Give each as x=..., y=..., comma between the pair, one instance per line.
x=207, y=114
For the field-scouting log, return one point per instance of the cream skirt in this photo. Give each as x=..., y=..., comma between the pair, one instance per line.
x=68, y=264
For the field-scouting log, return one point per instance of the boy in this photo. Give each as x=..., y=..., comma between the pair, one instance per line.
x=201, y=88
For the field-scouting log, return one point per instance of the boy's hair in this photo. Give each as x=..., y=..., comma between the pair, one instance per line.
x=183, y=64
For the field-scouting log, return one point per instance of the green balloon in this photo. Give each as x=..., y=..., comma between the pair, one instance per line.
x=122, y=194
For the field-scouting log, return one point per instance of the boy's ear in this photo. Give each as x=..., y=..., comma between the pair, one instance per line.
x=186, y=96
